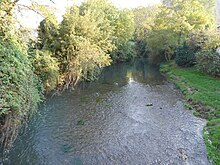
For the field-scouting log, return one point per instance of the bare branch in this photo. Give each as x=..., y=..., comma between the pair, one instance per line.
x=21, y=6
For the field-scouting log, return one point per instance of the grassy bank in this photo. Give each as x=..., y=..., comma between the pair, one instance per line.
x=202, y=94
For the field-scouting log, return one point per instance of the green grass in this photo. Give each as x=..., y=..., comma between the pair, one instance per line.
x=202, y=93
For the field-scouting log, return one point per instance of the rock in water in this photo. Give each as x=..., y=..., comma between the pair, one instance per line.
x=149, y=104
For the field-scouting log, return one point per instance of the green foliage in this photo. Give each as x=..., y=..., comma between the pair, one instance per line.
x=116, y=25
x=46, y=68
x=172, y=24
x=19, y=87
x=104, y=16
x=17, y=80
x=141, y=48
x=208, y=61
x=204, y=96
x=213, y=41
x=88, y=35
x=213, y=152
x=144, y=21
x=185, y=56
x=6, y=18
x=93, y=74
x=197, y=40
x=43, y=10
x=48, y=34
x=205, y=44
x=203, y=40
x=81, y=47
x=125, y=52
x=183, y=16
x=123, y=31
x=42, y=53
x=124, y=27
x=161, y=44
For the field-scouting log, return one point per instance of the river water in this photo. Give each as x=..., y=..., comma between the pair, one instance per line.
x=130, y=116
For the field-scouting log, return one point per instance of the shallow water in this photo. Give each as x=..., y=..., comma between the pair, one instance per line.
x=130, y=116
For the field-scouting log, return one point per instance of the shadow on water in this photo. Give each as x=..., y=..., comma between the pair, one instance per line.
x=139, y=70
x=121, y=74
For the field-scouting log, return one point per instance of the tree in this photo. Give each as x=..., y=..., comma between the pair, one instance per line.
x=161, y=44
x=123, y=33
x=6, y=17
x=117, y=25
x=183, y=16
x=48, y=33
x=144, y=22
x=83, y=46
x=173, y=24
x=20, y=89
x=90, y=35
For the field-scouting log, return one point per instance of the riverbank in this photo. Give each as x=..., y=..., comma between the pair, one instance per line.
x=202, y=94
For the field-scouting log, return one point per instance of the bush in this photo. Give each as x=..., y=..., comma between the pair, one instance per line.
x=185, y=57
x=141, y=48
x=161, y=45
x=208, y=61
x=46, y=68
x=197, y=40
x=213, y=41
x=125, y=52
x=92, y=75
x=19, y=89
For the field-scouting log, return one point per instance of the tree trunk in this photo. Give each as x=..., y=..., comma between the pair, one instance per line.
x=179, y=39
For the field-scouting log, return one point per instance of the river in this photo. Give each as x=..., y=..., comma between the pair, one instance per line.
x=130, y=116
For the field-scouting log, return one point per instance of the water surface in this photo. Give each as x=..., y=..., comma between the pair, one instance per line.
x=130, y=116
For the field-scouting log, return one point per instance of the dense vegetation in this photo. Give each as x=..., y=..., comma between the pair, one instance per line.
x=171, y=25
x=96, y=34
x=90, y=37
x=19, y=87
x=185, y=31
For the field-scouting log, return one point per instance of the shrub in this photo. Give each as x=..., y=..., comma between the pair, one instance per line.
x=198, y=39
x=185, y=57
x=92, y=75
x=161, y=45
x=19, y=89
x=213, y=41
x=46, y=68
x=141, y=48
x=125, y=52
x=208, y=61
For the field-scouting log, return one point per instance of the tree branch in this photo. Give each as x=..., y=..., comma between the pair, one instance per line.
x=21, y=6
